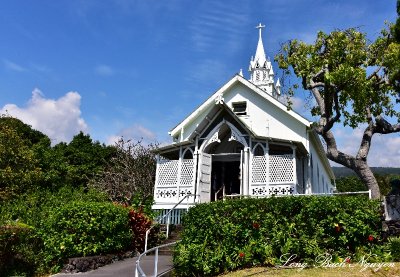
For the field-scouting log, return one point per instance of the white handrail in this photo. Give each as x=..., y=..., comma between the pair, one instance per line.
x=169, y=218
x=139, y=271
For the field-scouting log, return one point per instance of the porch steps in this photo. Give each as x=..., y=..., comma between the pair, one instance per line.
x=174, y=235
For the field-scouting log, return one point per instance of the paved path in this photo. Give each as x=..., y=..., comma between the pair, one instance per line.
x=125, y=268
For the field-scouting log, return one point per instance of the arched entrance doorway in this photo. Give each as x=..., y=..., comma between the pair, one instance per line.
x=222, y=163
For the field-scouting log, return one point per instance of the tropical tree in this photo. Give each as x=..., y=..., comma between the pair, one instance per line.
x=82, y=158
x=130, y=174
x=396, y=27
x=354, y=82
x=19, y=168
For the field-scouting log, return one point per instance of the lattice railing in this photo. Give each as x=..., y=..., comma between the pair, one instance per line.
x=167, y=173
x=174, y=183
x=281, y=169
x=275, y=178
x=187, y=171
x=259, y=170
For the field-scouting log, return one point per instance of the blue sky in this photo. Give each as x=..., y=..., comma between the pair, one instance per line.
x=137, y=68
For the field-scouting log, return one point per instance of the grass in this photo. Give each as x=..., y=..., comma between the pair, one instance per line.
x=356, y=270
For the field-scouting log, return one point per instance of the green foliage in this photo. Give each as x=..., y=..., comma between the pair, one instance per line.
x=223, y=236
x=336, y=64
x=394, y=246
x=84, y=228
x=19, y=169
x=52, y=218
x=396, y=28
x=28, y=162
x=29, y=135
x=47, y=212
x=353, y=183
x=83, y=158
x=18, y=246
x=31, y=206
x=345, y=172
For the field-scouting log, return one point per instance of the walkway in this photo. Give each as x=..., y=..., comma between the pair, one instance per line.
x=125, y=268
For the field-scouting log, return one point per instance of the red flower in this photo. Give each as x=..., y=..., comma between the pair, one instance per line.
x=347, y=260
x=256, y=225
x=370, y=238
x=241, y=254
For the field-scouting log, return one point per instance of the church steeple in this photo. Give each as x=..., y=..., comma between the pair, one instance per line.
x=260, y=53
x=261, y=72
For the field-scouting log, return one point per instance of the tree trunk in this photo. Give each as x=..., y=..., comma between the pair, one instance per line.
x=358, y=164
x=363, y=171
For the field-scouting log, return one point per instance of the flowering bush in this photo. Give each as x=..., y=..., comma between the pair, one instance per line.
x=226, y=235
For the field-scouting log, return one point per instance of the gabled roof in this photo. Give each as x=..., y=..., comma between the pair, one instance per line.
x=215, y=111
x=237, y=79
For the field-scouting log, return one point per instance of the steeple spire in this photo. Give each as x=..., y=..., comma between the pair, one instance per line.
x=261, y=72
x=260, y=53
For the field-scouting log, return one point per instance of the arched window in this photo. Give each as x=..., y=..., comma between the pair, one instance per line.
x=188, y=154
x=258, y=150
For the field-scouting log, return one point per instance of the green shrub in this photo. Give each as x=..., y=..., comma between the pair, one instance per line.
x=84, y=228
x=29, y=207
x=354, y=183
x=18, y=246
x=225, y=235
x=65, y=223
x=394, y=245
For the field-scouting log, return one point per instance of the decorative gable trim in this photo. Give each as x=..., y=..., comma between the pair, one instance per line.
x=217, y=97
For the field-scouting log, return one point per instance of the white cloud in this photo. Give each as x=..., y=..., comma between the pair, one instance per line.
x=104, y=70
x=13, y=66
x=135, y=132
x=59, y=119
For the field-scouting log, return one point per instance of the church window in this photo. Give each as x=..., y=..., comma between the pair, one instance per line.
x=240, y=108
x=257, y=75
x=258, y=150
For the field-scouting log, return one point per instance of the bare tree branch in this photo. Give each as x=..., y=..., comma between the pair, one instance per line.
x=384, y=127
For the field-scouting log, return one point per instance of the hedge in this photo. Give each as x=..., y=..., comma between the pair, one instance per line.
x=227, y=235
x=74, y=229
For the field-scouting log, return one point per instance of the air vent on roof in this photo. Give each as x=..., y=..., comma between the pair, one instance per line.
x=240, y=108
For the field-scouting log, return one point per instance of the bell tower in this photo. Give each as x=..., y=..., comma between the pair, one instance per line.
x=261, y=72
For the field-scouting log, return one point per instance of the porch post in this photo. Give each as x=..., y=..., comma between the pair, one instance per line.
x=294, y=169
x=157, y=175
x=267, y=167
x=195, y=168
x=246, y=176
x=179, y=171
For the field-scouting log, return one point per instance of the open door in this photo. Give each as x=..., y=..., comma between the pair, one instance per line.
x=205, y=178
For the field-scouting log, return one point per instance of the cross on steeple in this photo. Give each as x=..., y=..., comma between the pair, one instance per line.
x=259, y=27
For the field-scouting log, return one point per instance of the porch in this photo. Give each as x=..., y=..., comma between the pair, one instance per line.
x=256, y=172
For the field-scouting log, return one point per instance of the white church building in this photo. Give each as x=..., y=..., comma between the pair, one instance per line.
x=242, y=141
